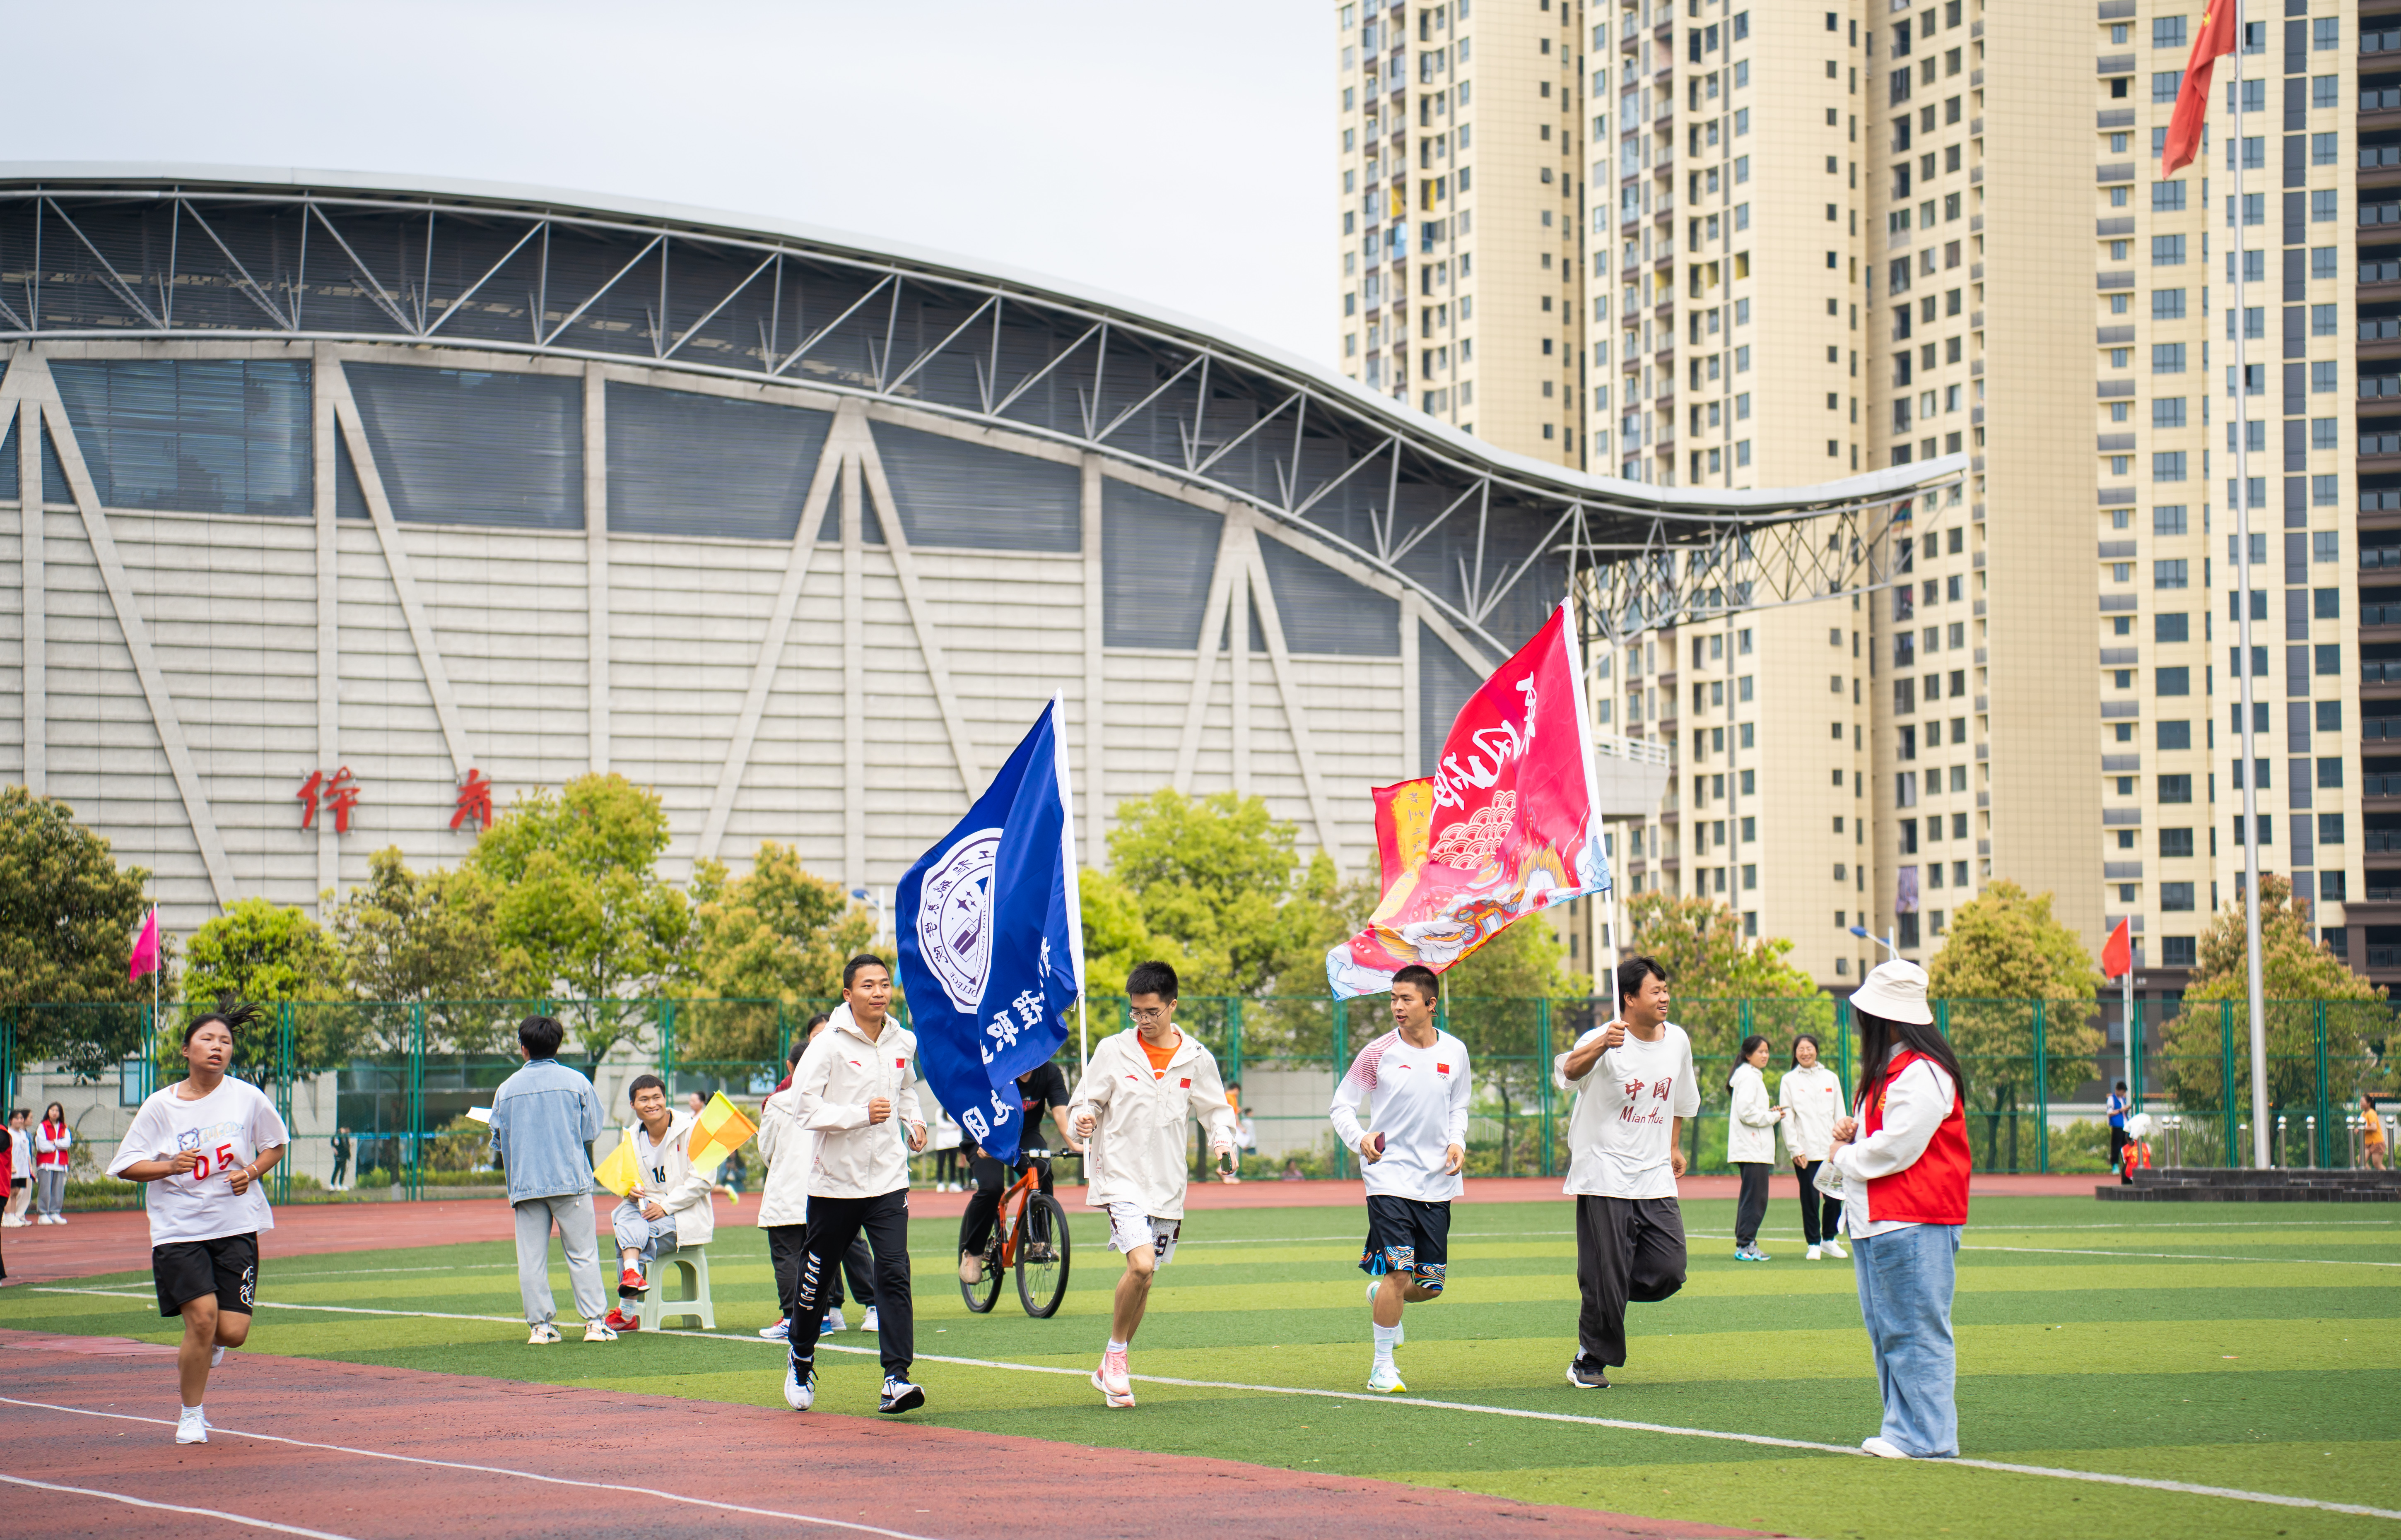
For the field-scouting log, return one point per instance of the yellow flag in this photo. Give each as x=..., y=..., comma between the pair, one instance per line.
x=620, y=1171
x=718, y=1131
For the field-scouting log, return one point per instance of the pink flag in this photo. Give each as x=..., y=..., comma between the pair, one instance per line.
x=145, y=950
x=1507, y=825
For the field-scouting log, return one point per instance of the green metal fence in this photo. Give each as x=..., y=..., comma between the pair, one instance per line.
x=400, y=1076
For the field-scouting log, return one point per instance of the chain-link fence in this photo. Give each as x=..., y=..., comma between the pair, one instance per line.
x=377, y=1093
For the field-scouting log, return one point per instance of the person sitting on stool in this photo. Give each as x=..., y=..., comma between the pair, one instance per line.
x=667, y=1209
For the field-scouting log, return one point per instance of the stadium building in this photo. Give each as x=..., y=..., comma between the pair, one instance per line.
x=335, y=506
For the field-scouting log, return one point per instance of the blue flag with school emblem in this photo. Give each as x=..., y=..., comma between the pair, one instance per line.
x=991, y=940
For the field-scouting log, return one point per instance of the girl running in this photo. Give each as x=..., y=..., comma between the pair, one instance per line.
x=205, y=1142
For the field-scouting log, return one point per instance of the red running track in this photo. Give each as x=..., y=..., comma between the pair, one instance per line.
x=352, y=1452
x=119, y=1242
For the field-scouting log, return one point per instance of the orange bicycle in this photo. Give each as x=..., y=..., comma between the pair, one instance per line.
x=1030, y=1235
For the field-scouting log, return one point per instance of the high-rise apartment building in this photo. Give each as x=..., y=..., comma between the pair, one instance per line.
x=1825, y=240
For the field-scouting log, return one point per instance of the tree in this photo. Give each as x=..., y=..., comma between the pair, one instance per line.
x=582, y=917
x=1116, y=937
x=2004, y=952
x=266, y=954
x=778, y=933
x=1209, y=876
x=1712, y=967
x=1493, y=1005
x=2300, y=981
x=69, y=915
x=430, y=939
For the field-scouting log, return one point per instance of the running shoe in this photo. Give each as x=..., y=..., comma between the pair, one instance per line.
x=543, y=1335
x=970, y=1269
x=1386, y=1378
x=1837, y=1252
x=599, y=1331
x=1114, y=1380
x=191, y=1426
x=834, y=1321
x=617, y=1320
x=631, y=1278
x=799, y=1394
x=780, y=1333
x=1584, y=1376
x=899, y=1396
x=1814, y=1252
x=1883, y=1449
x=867, y=1321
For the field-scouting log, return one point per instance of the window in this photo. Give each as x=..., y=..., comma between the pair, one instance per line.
x=2177, y=952
x=2164, y=86
x=2329, y=659
x=1741, y=123
x=2167, y=305
x=2175, y=681
x=2323, y=490
x=2175, y=788
x=2177, y=897
x=2324, y=92
x=2167, y=250
x=2322, y=261
x=2167, y=32
x=2326, y=545
x=2322, y=153
x=2174, y=844
x=2170, y=573
x=2167, y=196
x=2167, y=358
x=2323, y=377
x=2168, y=518
x=2171, y=628
x=2168, y=466
x=2325, y=34
x=2321, y=320
x=2322, y=433
x=2174, y=735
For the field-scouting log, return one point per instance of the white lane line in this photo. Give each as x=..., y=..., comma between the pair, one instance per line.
x=2163, y=1256
x=1760, y=1440
x=442, y=1464
x=172, y=1508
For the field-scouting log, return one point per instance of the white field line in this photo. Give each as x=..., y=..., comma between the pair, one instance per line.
x=442, y=1464
x=1760, y=1440
x=170, y=1507
x=2161, y=1256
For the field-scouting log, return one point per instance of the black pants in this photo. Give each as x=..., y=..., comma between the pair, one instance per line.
x=785, y=1244
x=946, y=1166
x=1626, y=1248
x=1750, y=1205
x=2118, y=1153
x=1819, y=1211
x=834, y=1224
x=992, y=1180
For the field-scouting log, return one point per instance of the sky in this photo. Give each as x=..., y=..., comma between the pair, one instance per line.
x=1177, y=156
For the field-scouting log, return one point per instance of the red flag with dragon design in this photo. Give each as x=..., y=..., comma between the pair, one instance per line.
x=1507, y=825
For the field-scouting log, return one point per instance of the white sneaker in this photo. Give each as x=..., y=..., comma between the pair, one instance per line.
x=216, y=1356
x=833, y=1322
x=599, y=1331
x=543, y=1335
x=191, y=1426
x=1385, y=1378
x=1114, y=1380
x=800, y=1394
x=899, y=1396
x=1837, y=1252
x=780, y=1333
x=1883, y=1449
x=1813, y=1253
x=867, y=1321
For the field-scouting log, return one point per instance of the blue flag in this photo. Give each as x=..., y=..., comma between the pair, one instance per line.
x=991, y=940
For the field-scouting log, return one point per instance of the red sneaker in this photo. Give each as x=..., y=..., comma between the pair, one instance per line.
x=617, y=1320
x=631, y=1278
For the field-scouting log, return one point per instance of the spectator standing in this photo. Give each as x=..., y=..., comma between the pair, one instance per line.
x=53, y=1140
x=341, y=1160
x=946, y=1151
x=21, y=1167
x=1750, y=1143
x=1903, y=1158
x=2371, y=1135
x=544, y=1119
x=2117, y=1108
x=1812, y=1095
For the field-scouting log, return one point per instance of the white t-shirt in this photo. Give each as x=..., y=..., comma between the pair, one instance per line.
x=228, y=1126
x=1623, y=1130
x=1416, y=1098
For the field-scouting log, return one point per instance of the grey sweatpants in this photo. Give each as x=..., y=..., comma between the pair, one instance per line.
x=572, y=1214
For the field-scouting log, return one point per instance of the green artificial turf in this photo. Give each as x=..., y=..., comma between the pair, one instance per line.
x=2234, y=1345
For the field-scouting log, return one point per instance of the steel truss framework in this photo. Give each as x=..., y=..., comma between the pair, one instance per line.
x=1492, y=541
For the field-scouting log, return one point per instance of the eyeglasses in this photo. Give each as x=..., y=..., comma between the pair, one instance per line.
x=1152, y=1012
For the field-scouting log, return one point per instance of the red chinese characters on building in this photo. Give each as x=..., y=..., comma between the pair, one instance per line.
x=474, y=801
x=335, y=795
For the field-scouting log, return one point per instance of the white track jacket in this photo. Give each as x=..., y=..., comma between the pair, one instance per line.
x=670, y=1181
x=1136, y=1151
x=841, y=1071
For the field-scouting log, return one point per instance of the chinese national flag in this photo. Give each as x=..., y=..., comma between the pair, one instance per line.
x=2217, y=36
x=2118, y=952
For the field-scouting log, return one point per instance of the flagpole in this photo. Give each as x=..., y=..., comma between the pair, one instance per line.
x=2248, y=771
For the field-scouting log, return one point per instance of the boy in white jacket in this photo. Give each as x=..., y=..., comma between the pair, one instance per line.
x=667, y=1209
x=855, y=1091
x=1137, y=1089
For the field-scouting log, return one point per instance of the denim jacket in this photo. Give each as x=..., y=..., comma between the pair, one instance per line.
x=544, y=1119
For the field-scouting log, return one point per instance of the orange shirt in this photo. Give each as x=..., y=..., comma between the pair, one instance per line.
x=1159, y=1057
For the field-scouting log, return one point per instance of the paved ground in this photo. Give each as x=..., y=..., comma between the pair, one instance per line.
x=339, y=1451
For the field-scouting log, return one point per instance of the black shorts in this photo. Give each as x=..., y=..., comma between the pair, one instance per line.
x=226, y=1267
x=1405, y=1235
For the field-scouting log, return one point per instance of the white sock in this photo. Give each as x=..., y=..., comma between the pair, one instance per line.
x=195, y=1412
x=1387, y=1338
x=1116, y=1346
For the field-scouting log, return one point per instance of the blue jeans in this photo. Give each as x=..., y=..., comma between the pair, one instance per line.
x=1906, y=1279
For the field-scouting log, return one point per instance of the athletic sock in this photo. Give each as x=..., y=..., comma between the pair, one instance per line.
x=1116, y=1346
x=1387, y=1338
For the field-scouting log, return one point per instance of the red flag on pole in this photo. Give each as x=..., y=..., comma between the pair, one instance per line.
x=145, y=948
x=2118, y=952
x=2216, y=37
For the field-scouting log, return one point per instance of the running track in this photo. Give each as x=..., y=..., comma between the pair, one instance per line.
x=356, y=1453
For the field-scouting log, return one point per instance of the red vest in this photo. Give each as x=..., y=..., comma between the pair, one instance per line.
x=1933, y=1189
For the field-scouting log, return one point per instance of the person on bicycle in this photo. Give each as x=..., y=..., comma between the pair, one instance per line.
x=1039, y=1090
x=1137, y=1090
x=1414, y=1080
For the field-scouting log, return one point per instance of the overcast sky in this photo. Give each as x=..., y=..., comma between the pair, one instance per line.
x=1176, y=155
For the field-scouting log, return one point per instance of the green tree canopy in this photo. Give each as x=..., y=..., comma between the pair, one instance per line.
x=2003, y=953
x=69, y=915
x=266, y=954
x=425, y=938
x=583, y=916
x=1210, y=877
x=778, y=933
x=1712, y=967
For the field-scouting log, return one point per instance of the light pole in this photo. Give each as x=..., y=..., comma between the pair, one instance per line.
x=1883, y=941
x=874, y=900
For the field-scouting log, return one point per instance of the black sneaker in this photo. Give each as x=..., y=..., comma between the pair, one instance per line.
x=1586, y=1376
x=899, y=1396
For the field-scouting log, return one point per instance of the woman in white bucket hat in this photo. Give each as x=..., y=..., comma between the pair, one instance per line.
x=1903, y=1159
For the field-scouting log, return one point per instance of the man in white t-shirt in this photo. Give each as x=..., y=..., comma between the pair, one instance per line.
x=1635, y=1086
x=1415, y=1082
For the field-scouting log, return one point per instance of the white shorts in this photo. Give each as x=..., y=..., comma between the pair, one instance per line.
x=1129, y=1227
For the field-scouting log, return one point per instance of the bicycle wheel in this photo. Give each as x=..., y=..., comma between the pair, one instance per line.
x=982, y=1296
x=1042, y=1247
